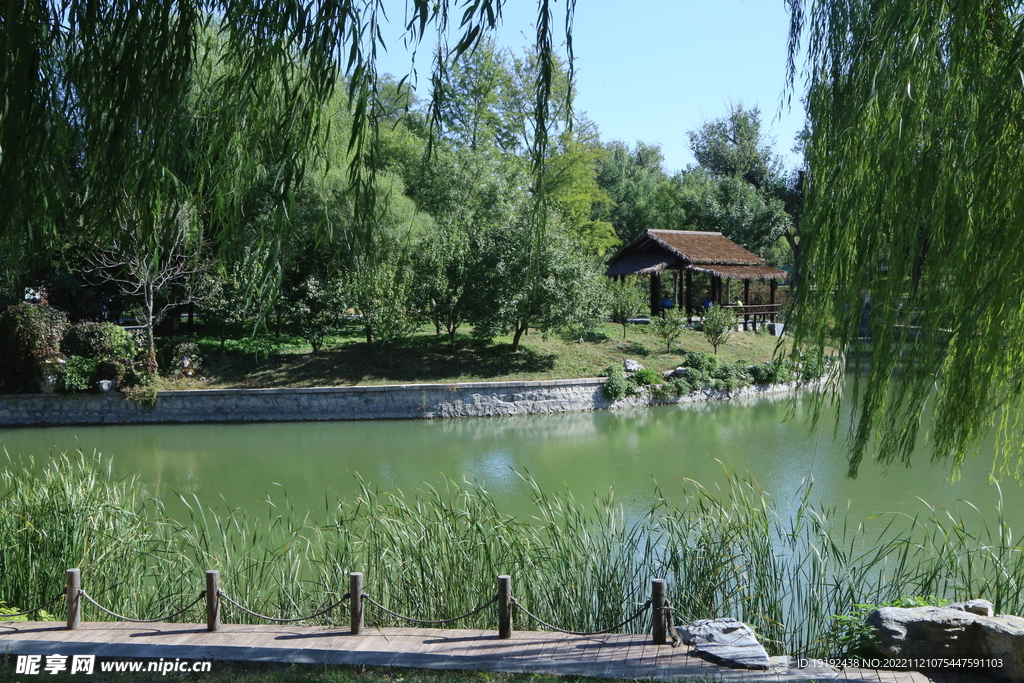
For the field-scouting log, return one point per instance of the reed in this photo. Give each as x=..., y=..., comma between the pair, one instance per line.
x=435, y=554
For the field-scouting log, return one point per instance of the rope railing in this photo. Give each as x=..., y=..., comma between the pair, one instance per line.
x=662, y=627
x=184, y=609
x=322, y=612
x=429, y=621
x=10, y=617
x=640, y=610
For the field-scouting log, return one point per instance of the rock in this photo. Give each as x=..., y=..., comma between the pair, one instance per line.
x=943, y=632
x=725, y=641
x=105, y=386
x=631, y=365
x=983, y=608
x=680, y=372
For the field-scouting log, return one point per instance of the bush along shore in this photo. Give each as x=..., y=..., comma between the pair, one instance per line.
x=702, y=375
x=800, y=579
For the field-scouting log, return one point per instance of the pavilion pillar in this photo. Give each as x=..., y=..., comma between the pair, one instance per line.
x=689, y=293
x=655, y=294
x=746, y=302
x=774, y=284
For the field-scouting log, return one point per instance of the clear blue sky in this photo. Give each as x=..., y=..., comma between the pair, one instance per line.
x=655, y=69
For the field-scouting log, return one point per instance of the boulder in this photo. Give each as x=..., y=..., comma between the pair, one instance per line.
x=631, y=365
x=727, y=642
x=948, y=632
x=983, y=608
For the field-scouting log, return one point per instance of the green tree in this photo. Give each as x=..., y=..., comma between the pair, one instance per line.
x=626, y=301
x=316, y=308
x=670, y=327
x=912, y=218
x=718, y=326
x=563, y=289
x=631, y=178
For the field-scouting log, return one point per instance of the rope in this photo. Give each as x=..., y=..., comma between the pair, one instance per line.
x=430, y=621
x=322, y=612
x=533, y=616
x=676, y=640
x=41, y=607
x=143, y=621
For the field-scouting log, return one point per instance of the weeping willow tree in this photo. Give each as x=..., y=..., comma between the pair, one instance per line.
x=914, y=217
x=105, y=100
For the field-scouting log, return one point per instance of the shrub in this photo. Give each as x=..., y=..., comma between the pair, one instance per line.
x=616, y=386
x=647, y=377
x=112, y=349
x=180, y=357
x=773, y=372
x=701, y=361
x=79, y=373
x=30, y=337
x=682, y=386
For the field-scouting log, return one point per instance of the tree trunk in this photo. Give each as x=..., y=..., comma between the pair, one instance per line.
x=518, y=335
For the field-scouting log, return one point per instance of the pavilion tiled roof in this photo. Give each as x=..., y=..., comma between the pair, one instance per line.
x=708, y=252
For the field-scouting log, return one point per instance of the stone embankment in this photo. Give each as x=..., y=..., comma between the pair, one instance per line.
x=405, y=401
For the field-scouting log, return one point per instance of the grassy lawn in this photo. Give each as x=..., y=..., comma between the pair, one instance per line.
x=246, y=672
x=348, y=360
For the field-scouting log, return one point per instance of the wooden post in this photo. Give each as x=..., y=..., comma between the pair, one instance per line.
x=213, y=600
x=773, y=286
x=658, y=611
x=746, y=302
x=504, y=606
x=355, y=588
x=655, y=294
x=689, y=294
x=73, y=583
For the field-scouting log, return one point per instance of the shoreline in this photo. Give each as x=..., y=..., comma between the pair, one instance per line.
x=380, y=402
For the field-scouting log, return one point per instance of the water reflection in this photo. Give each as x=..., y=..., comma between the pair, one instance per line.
x=634, y=451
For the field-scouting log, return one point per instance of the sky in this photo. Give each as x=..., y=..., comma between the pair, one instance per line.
x=661, y=68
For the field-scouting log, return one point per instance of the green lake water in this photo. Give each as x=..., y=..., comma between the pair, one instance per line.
x=639, y=453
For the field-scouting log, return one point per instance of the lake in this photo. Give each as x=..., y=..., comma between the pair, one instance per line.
x=638, y=453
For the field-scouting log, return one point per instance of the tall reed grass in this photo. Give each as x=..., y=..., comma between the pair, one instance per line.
x=435, y=554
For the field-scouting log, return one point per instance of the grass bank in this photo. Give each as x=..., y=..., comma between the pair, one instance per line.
x=785, y=569
x=347, y=360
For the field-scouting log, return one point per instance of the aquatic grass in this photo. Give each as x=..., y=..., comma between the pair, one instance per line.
x=733, y=551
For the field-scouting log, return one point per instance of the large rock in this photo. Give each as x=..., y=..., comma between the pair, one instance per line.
x=725, y=641
x=631, y=365
x=942, y=632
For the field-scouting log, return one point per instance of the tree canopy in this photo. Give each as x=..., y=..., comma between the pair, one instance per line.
x=912, y=219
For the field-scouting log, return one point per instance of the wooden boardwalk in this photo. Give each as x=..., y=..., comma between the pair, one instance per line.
x=605, y=656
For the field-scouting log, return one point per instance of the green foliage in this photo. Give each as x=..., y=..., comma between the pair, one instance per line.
x=626, y=301
x=616, y=386
x=382, y=294
x=774, y=371
x=670, y=326
x=78, y=373
x=702, y=361
x=630, y=177
x=30, y=338
x=681, y=386
x=647, y=377
x=719, y=324
x=110, y=349
x=939, y=253
x=180, y=357
x=316, y=308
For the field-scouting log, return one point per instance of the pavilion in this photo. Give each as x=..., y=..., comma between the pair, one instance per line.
x=689, y=252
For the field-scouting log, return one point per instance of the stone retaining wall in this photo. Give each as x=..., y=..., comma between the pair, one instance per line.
x=477, y=399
